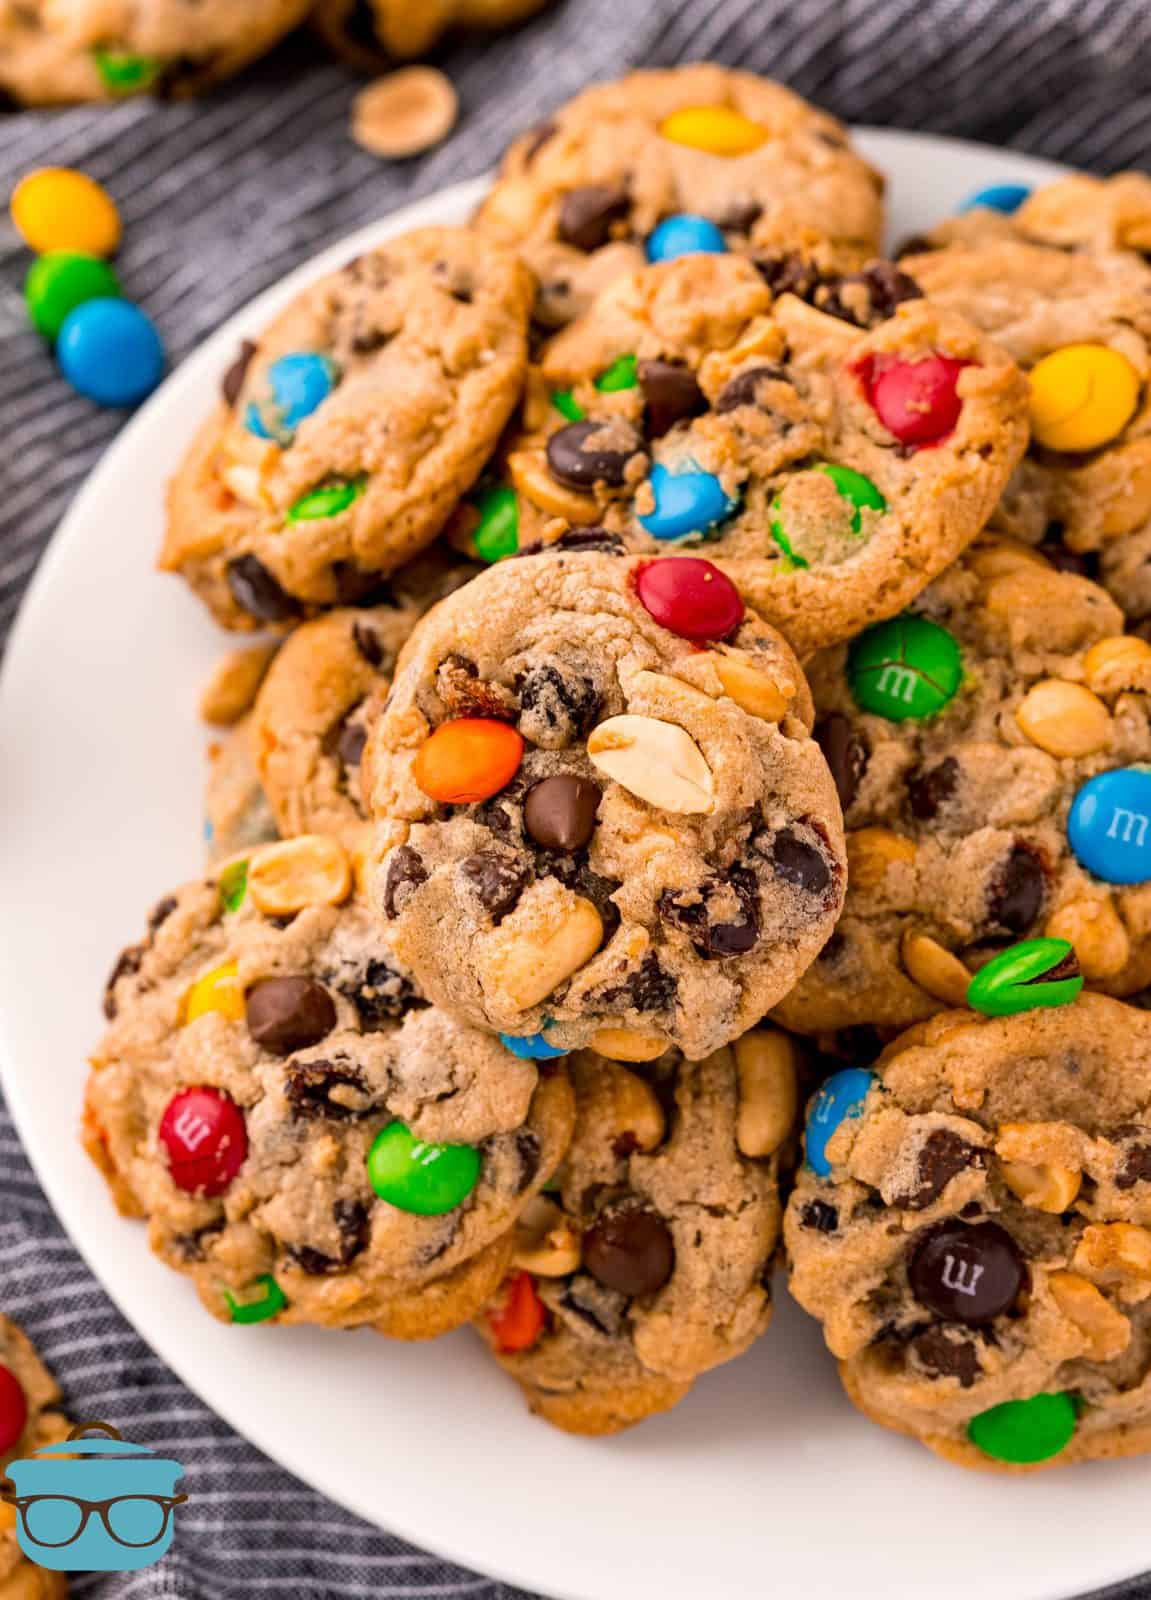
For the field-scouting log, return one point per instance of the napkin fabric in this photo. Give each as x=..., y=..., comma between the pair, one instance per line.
x=219, y=200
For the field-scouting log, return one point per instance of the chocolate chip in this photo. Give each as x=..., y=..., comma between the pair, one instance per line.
x=744, y=389
x=345, y=740
x=497, y=881
x=329, y=1091
x=819, y=1217
x=1017, y=892
x=354, y=1227
x=967, y=1274
x=868, y=297
x=671, y=394
x=945, y=1353
x=942, y=1156
x=128, y=963
x=257, y=592
x=1136, y=1167
x=368, y=642
x=233, y=380
x=559, y=812
x=558, y=705
x=405, y=872
x=286, y=1014
x=787, y=274
x=586, y=215
x=629, y=1249
x=648, y=988
x=928, y=788
x=701, y=914
x=845, y=753
x=740, y=217
x=578, y=467
x=379, y=992
x=160, y=912
x=799, y=862
x=597, y=539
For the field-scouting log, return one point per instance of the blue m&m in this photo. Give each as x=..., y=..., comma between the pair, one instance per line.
x=840, y=1099
x=1004, y=197
x=296, y=385
x=685, y=235
x=110, y=352
x=530, y=1046
x=1109, y=828
x=686, y=503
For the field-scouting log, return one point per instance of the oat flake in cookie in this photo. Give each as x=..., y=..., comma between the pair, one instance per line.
x=582, y=194
x=830, y=442
x=346, y=436
x=307, y=1139
x=651, y=1263
x=600, y=806
x=973, y=1229
x=30, y=1419
x=962, y=736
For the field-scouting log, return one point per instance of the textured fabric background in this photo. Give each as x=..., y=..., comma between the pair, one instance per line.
x=219, y=200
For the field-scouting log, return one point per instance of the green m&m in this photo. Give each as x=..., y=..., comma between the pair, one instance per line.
x=234, y=885
x=267, y=1302
x=622, y=374
x=426, y=1179
x=1023, y=1432
x=123, y=72
x=329, y=500
x=859, y=493
x=909, y=667
x=1026, y=977
x=497, y=533
x=62, y=280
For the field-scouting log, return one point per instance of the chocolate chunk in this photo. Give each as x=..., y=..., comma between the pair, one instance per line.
x=744, y=389
x=868, y=297
x=740, y=217
x=819, y=1217
x=1136, y=1167
x=379, y=992
x=497, y=881
x=257, y=592
x=559, y=812
x=345, y=740
x=128, y=963
x=648, y=988
x=945, y=1353
x=788, y=274
x=845, y=753
x=799, y=862
x=928, y=788
x=597, y=539
x=671, y=394
x=354, y=1227
x=575, y=874
x=405, y=872
x=572, y=462
x=967, y=1274
x=692, y=911
x=629, y=1249
x=233, y=380
x=1016, y=894
x=942, y=1157
x=368, y=642
x=329, y=1091
x=586, y=215
x=287, y=1014
x=558, y=705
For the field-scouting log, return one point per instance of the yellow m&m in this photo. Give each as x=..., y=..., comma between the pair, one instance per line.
x=56, y=208
x=1082, y=396
x=218, y=990
x=717, y=129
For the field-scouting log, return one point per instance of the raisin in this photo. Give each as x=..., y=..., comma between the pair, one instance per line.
x=404, y=875
x=691, y=912
x=928, y=788
x=309, y=1085
x=1017, y=892
x=497, y=881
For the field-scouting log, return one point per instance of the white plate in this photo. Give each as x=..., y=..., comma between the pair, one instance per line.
x=765, y=1477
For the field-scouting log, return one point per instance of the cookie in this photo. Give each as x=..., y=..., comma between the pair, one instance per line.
x=346, y=436
x=744, y=163
x=600, y=805
x=972, y=1227
x=1080, y=212
x=237, y=815
x=56, y=51
x=650, y=1264
x=988, y=748
x=832, y=443
x=30, y=1419
x=369, y=33
x=308, y=1140
x=311, y=715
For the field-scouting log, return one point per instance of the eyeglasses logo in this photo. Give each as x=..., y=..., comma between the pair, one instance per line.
x=94, y=1505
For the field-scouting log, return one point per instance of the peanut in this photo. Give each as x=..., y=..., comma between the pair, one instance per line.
x=1120, y=663
x=933, y=968
x=872, y=851
x=1065, y=719
x=404, y=112
x=657, y=761
x=1102, y=945
x=629, y=1044
x=1106, y=1329
x=752, y=690
x=1117, y=1253
x=636, y=1110
x=546, y=1244
x=529, y=474
x=231, y=688
x=250, y=463
x=310, y=870
x=1040, y=1163
x=768, y=1092
x=994, y=558
x=525, y=966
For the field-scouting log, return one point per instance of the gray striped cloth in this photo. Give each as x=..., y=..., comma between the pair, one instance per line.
x=219, y=200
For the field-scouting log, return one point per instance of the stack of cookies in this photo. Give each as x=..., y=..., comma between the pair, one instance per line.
x=702, y=670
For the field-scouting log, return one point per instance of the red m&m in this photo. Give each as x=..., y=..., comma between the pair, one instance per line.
x=690, y=597
x=207, y=1143
x=13, y=1410
x=917, y=401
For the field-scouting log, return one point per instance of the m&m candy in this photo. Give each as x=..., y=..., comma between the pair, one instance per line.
x=1027, y=977
x=296, y=385
x=684, y=235
x=204, y=1134
x=1109, y=826
x=497, y=532
x=56, y=208
x=720, y=130
x=531, y=1047
x=468, y=759
x=518, y=1317
x=1024, y=1432
x=1004, y=197
x=267, y=1301
x=13, y=1410
x=853, y=487
x=917, y=401
x=905, y=669
x=123, y=72
x=840, y=1099
x=424, y=1179
x=690, y=597
x=62, y=280
x=1082, y=397
x=218, y=990
x=110, y=352
x=329, y=500
x=687, y=503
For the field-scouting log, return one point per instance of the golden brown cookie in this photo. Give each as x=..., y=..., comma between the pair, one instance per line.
x=29, y=1408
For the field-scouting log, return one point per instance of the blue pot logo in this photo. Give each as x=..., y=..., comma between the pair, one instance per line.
x=94, y=1505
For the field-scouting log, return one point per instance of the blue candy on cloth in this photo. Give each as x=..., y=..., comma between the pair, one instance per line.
x=110, y=352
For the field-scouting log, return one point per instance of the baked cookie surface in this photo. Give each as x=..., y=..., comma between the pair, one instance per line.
x=963, y=736
x=30, y=1418
x=308, y=1140
x=599, y=804
x=651, y=1262
x=582, y=195
x=347, y=435
x=973, y=1229
x=369, y=33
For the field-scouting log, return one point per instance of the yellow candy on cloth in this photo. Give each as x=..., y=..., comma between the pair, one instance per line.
x=56, y=208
